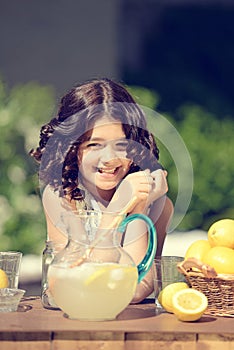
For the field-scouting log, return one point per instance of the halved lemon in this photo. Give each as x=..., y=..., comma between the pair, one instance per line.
x=95, y=275
x=3, y=279
x=166, y=294
x=111, y=272
x=189, y=304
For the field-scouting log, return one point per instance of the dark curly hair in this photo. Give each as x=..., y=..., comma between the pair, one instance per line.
x=79, y=109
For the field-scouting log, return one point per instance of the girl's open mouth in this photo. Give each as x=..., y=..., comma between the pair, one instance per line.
x=108, y=170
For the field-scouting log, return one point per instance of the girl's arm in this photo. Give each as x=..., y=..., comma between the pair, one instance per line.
x=53, y=233
x=163, y=222
x=138, y=248
x=53, y=207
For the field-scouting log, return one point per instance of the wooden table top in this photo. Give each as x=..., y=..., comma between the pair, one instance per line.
x=141, y=318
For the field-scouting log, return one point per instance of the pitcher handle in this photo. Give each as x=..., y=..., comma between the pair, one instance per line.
x=146, y=263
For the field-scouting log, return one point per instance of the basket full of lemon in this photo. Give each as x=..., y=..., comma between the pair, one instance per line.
x=209, y=267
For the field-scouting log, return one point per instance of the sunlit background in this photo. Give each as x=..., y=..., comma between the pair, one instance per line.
x=177, y=57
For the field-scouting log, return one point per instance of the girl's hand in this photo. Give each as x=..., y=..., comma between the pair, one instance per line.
x=159, y=186
x=146, y=187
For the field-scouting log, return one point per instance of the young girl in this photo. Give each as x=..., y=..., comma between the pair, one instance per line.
x=98, y=154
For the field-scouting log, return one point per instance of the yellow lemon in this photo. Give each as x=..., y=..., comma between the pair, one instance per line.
x=221, y=259
x=189, y=304
x=166, y=294
x=221, y=233
x=3, y=279
x=95, y=275
x=198, y=249
x=109, y=272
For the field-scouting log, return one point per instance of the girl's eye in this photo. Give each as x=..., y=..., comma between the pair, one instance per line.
x=121, y=146
x=94, y=145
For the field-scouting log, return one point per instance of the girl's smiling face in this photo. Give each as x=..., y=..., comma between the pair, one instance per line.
x=103, y=159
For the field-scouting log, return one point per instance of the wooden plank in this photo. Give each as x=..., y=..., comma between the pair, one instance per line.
x=215, y=341
x=88, y=340
x=161, y=336
x=25, y=341
x=87, y=335
x=165, y=341
x=22, y=336
x=159, y=344
x=25, y=345
x=88, y=345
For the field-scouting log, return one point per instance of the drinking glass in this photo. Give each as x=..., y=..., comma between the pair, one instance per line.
x=165, y=272
x=10, y=263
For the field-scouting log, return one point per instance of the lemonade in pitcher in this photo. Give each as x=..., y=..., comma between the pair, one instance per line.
x=93, y=291
x=93, y=277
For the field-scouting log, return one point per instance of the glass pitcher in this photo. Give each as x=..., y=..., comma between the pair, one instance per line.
x=93, y=277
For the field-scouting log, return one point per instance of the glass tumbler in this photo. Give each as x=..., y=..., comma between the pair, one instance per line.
x=165, y=272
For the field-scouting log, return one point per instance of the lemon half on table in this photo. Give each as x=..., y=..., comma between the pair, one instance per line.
x=189, y=304
x=3, y=279
x=166, y=294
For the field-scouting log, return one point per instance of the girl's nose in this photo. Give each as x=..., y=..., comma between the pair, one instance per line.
x=108, y=153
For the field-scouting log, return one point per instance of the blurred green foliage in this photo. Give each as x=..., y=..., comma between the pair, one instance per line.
x=22, y=111
x=25, y=108
x=210, y=143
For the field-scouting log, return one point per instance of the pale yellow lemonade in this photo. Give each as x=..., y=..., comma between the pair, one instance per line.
x=93, y=291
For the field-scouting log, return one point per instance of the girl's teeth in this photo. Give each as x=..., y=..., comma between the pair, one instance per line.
x=111, y=171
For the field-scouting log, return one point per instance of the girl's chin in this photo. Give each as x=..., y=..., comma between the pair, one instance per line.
x=106, y=183
x=106, y=187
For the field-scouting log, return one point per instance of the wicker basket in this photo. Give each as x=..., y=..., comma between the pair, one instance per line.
x=218, y=288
